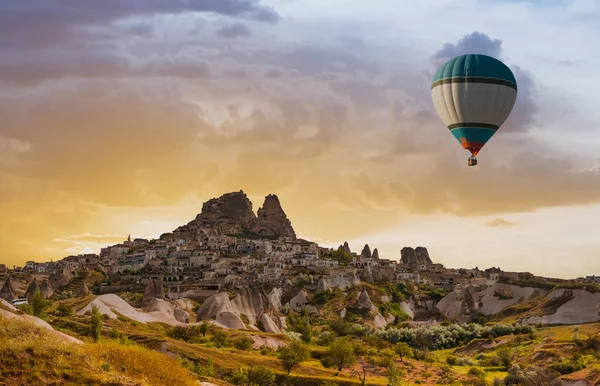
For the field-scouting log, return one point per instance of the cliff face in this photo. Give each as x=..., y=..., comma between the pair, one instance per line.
x=231, y=214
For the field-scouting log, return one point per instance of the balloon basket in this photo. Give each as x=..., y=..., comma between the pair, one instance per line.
x=472, y=161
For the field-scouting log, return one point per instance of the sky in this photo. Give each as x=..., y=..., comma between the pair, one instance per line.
x=123, y=117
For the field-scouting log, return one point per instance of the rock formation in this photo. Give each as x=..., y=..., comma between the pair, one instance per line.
x=83, y=290
x=181, y=315
x=345, y=247
x=46, y=288
x=252, y=303
x=418, y=256
x=60, y=278
x=231, y=214
x=366, y=252
x=300, y=302
x=8, y=291
x=154, y=290
x=33, y=286
x=272, y=220
x=364, y=301
x=375, y=254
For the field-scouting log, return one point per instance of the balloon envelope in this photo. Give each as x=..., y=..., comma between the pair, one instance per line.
x=473, y=95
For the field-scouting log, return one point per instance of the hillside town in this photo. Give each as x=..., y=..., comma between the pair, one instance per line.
x=228, y=245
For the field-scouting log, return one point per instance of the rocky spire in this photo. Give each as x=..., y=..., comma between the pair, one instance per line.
x=46, y=288
x=154, y=290
x=375, y=254
x=8, y=291
x=83, y=290
x=366, y=252
x=345, y=247
x=33, y=286
x=272, y=221
x=409, y=256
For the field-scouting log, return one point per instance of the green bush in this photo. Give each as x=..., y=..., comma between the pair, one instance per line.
x=243, y=343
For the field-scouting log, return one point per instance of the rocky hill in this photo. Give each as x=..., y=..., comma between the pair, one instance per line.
x=231, y=214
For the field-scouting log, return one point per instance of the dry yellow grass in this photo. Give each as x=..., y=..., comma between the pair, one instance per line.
x=32, y=356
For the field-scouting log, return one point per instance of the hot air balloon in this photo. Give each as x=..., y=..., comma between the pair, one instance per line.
x=473, y=95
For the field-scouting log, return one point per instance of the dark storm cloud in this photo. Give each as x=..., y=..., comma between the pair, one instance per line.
x=234, y=30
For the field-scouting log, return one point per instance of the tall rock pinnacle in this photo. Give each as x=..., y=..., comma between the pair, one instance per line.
x=272, y=220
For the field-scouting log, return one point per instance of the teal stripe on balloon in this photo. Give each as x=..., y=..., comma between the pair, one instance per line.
x=474, y=65
x=473, y=134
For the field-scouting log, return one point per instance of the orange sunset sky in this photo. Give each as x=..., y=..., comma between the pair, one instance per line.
x=123, y=117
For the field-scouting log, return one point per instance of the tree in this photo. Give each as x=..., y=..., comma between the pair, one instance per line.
x=244, y=343
x=339, y=354
x=261, y=376
x=38, y=303
x=403, y=350
x=377, y=342
x=96, y=323
x=393, y=374
x=204, y=328
x=292, y=355
x=386, y=357
x=366, y=365
x=219, y=339
x=306, y=331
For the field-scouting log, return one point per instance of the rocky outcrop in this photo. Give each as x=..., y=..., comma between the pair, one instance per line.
x=110, y=305
x=32, y=288
x=341, y=281
x=8, y=291
x=39, y=323
x=345, y=247
x=375, y=254
x=364, y=301
x=464, y=305
x=60, y=278
x=83, y=290
x=252, y=303
x=269, y=325
x=300, y=302
x=366, y=252
x=46, y=288
x=154, y=290
x=272, y=221
x=566, y=306
x=418, y=256
x=231, y=214
x=181, y=315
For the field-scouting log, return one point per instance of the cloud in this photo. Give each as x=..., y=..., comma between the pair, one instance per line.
x=473, y=43
x=499, y=222
x=234, y=30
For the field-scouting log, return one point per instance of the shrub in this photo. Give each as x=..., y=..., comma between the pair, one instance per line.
x=261, y=376
x=244, y=343
x=476, y=372
x=219, y=339
x=451, y=360
x=322, y=297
